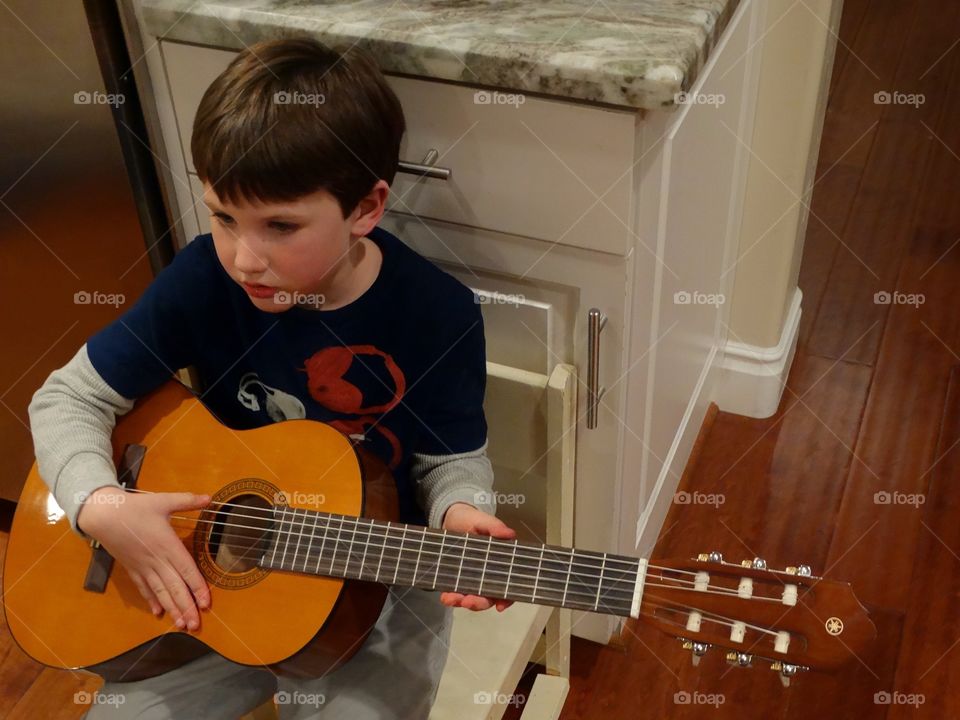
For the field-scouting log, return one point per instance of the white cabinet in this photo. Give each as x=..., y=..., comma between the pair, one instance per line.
x=552, y=209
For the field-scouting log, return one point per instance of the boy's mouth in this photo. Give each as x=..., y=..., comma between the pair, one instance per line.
x=259, y=291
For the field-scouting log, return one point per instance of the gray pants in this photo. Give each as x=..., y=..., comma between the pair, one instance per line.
x=394, y=675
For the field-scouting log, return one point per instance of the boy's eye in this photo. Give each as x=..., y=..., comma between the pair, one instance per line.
x=225, y=219
x=283, y=227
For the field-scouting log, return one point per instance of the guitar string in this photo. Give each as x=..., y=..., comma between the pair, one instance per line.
x=713, y=617
x=272, y=516
x=507, y=548
x=579, y=577
x=303, y=524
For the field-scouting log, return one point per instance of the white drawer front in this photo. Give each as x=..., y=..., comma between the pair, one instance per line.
x=539, y=168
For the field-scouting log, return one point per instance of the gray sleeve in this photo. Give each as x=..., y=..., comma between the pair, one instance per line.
x=72, y=417
x=442, y=480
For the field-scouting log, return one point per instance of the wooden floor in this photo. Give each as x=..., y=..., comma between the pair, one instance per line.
x=872, y=405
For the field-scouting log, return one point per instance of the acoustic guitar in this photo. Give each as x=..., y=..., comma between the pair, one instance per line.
x=300, y=543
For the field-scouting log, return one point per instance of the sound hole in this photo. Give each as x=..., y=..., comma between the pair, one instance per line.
x=241, y=533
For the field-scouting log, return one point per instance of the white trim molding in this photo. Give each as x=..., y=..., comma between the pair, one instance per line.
x=752, y=378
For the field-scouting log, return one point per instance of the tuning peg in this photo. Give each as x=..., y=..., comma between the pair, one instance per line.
x=800, y=571
x=713, y=556
x=739, y=659
x=699, y=649
x=787, y=671
x=756, y=564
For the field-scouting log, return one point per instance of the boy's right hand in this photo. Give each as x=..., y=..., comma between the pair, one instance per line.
x=135, y=528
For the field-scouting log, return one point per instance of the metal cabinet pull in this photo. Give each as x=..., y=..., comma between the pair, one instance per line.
x=596, y=321
x=425, y=168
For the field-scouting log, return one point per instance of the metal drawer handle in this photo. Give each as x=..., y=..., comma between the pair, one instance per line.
x=425, y=168
x=596, y=321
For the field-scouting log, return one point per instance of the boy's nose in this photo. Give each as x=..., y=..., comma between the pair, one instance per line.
x=249, y=258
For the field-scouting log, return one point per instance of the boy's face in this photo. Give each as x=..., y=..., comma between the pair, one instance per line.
x=285, y=253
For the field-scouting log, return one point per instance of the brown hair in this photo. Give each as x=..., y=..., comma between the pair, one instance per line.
x=290, y=117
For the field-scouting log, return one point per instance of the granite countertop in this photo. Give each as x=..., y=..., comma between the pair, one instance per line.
x=632, y=53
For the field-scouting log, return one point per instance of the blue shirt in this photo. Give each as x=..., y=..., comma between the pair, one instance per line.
x=401, y=369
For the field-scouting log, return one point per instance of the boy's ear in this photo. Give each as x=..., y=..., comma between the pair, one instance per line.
x=370, y=209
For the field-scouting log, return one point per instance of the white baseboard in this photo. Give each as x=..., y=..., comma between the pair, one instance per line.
x=752, y=378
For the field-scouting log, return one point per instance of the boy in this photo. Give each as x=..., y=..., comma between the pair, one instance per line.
x=296, y=305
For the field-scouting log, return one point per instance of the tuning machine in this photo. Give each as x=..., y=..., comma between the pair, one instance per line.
x=698, y=649
x=714, y=557
x=800, y=571
x=739, y=659
x=787, y=671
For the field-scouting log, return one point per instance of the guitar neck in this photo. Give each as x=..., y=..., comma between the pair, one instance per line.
x=342, y=546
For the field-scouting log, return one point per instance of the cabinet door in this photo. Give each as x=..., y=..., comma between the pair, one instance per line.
x=538, y=297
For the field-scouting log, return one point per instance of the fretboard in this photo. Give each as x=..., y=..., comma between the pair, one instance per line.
x=342, y=546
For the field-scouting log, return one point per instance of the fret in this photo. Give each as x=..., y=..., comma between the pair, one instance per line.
x=286, y=543
x=346, y=562
x=462, y=556
x=566, y=584
x=486, y=559
x=383, y=548
x=436, y=571
x=539, y=569
x=513, y=557
x=366, y=546
x=336, y=545
x=423, y=536
x=296, y=550
x=276, y=541
x=313, y=533
x=603, y=565
x=399, y=554
x=326, y=529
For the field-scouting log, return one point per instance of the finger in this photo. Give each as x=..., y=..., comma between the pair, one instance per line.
x=163, y=596
x=473, y=602
x=155, y=607
x=503, y=605
x=451, y=598
x=496, y=527
x=186, y=567
x=181, y=596
x=185, y=501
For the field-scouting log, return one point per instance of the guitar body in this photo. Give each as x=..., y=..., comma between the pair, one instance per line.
x=297, y=625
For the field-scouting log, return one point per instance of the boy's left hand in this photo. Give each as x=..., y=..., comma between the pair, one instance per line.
x=462, y=517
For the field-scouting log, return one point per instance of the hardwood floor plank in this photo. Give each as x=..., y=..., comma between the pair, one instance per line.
x=900, y=427
x=929, y=663
x=849, y=323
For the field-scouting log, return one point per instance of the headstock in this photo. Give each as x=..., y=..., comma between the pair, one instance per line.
x=789, y=617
